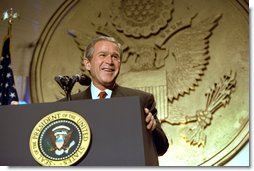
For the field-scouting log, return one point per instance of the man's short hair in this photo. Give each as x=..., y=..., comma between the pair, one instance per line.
x=88, y=53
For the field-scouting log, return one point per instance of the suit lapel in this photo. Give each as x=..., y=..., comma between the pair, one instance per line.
x=117, y=91
x=87, y=93
x=114, y=91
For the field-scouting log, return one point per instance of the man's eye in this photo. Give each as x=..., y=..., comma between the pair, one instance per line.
x=116, y=57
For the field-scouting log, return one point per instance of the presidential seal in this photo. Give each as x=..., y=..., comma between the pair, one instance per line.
x=60, y=139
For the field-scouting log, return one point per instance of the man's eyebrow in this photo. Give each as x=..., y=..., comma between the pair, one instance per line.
x=115, y=53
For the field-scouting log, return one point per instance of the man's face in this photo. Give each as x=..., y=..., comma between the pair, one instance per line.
x=105, y=64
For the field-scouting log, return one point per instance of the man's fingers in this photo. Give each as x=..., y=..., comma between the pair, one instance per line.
x=146, y=111
x=151, y=123
x=14, y=102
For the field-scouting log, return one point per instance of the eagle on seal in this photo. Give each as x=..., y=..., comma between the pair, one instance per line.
x=60, y=138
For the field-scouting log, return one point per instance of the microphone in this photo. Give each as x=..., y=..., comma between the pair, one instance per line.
x=83, y=79
x=65, y=80
x=58, y=78
x=67, y=83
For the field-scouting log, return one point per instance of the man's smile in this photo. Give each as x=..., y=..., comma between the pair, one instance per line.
x=108, y=69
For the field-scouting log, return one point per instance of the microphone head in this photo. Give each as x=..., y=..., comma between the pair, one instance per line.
x=83, y=79
x=58, y=78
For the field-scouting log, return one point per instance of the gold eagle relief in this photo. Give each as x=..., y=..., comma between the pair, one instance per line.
x=183, y=64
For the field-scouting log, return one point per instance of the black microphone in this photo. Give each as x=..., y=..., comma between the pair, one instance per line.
x=58, y=78
x=83, y=79
x=65, y=82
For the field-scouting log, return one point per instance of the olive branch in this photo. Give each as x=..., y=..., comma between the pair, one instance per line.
x=218, y=96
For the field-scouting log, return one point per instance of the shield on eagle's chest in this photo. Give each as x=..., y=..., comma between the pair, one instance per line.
x=59, y=142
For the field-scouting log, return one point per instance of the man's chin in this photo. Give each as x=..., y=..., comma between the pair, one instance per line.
x=109, y=83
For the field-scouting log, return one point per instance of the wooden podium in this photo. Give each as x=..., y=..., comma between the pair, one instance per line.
x=119, y=135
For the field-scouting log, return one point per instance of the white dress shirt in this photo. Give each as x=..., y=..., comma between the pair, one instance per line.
x=95, y=92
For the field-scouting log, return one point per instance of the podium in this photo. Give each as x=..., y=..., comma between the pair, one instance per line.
x=118, y=132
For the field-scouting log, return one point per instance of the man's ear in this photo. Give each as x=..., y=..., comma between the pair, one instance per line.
x=87, y=64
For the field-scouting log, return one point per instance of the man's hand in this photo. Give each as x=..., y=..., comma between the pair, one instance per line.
x=14, y=103
x=150, y=121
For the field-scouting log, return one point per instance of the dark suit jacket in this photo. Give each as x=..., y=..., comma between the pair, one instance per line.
x=147, y=101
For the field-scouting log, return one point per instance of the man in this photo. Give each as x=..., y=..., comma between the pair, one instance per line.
x=102, y=59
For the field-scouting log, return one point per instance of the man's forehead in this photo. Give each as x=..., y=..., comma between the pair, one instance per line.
x=102, y=45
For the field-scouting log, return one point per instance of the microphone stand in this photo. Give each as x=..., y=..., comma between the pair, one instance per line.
x=66, y=83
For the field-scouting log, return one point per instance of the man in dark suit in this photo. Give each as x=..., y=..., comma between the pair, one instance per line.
x=102, y=59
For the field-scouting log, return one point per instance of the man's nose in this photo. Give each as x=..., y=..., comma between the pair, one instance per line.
x=109, y=59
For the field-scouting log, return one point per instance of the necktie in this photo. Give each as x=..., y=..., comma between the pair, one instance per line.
x=102, y=94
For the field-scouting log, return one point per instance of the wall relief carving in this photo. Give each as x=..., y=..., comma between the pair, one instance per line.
x=176, y=50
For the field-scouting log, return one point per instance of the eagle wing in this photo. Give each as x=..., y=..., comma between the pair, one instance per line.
x=52, y=139
x=190, y=54
x=67, y=139
x=82, y=39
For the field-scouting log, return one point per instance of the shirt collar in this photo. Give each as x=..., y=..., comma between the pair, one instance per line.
x=95, y=91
